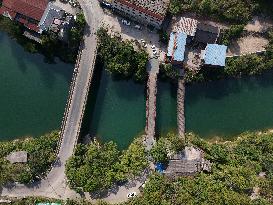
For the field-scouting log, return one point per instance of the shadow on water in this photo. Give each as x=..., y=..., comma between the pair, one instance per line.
x=91, y=100
x=47, y=73
x=231, y=106
x=33, y=94
x=115, y=109
x=221, y=88
x=166, y=107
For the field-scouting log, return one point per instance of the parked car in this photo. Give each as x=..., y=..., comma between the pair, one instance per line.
x=131, y=195
x=144, y=43
x=138, y=27
x=153, y=47
x=106, y=5
x=128, y=23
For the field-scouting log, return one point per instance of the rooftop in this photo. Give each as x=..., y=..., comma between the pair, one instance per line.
x=215, y=55
x=52, y=12
x=176, y=47
x=207, y=33
x=30, y=8
x=186, y=25
x=187, y=163
x=158, y=7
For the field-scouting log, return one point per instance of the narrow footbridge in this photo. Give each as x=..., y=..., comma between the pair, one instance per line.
x=153, y=69
x=181, y=107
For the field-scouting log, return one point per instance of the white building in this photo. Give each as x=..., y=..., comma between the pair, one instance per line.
x=150, y=12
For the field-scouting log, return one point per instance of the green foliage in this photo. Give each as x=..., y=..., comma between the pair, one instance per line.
x=120, y=58
x=97, y=167
x=170, y=143
x=232, y=33
x=163, y=36
x=244, y=65
x=159, y=151
x=41, y=154
x=237, y=11
x=168, y=71
x=95, y=170
x=51, y=46
x=233, y=177
x=67, y=52
x=133, y=160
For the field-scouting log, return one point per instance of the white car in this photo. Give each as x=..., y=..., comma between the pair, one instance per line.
x=138, y=27
x=128, y=23
x=144, y=43
x=154, y=52
x=131, y=195
x=153, y=47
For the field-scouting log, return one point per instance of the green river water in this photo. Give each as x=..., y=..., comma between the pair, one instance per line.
x=33, y=95
x=222, y=108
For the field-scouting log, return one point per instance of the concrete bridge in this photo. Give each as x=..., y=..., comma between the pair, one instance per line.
x=54, y=185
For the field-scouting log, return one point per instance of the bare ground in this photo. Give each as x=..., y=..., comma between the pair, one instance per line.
x=247, y=45
x=259, y=24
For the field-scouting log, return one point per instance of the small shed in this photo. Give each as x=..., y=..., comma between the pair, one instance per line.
x=215, y=55
x=207, y=33
x=176, y=47
x=17, y=157
x=187, y=163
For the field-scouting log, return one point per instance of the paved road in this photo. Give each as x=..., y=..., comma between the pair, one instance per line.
x=55, y=183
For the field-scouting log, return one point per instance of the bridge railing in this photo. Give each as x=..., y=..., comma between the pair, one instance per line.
x=87, y=92
x=69, y=98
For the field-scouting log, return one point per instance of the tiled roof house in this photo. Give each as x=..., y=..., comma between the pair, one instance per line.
x=150, y=12
x=27, y=12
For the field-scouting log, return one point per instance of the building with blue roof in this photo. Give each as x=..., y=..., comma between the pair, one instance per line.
x=176, y=47
x=215, y=55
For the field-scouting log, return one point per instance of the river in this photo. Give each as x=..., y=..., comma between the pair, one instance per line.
x=33, y=97
x=222, y=108
x=33, y=92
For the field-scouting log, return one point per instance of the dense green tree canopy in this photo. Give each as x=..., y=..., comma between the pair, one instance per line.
x=120, y=58
x=96, y=167
x=235, y=172
x=234, y=11
x=41, y=154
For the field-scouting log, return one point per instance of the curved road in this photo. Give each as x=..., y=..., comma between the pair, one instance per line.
x=54, y=185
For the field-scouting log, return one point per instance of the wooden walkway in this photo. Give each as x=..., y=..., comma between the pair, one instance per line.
x=181, y=107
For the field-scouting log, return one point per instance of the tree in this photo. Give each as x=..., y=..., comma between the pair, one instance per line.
x=95, y=169
x=159, y=152
x=133, y=160
x=120, y=58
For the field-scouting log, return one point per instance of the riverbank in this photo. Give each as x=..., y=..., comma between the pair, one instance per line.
x=241, y=174
x=33, y=92
x=51, y=47
x=41, y=153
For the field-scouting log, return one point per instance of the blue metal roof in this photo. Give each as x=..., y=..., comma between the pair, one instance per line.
x=176, y=47
x=180, y=47
x=215, y=55
x=171, y=45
